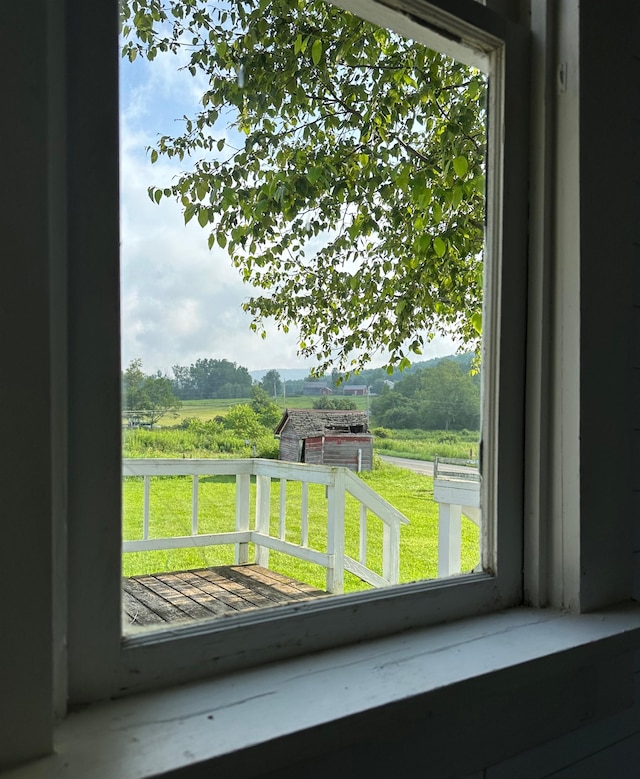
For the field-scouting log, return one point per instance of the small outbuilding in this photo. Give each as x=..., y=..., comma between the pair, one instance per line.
x=326, y=437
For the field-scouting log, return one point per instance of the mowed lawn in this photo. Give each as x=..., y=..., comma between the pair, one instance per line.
x=170, y=515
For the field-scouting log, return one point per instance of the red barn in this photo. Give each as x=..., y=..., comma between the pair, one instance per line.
x=326, y=437
x=356, y=389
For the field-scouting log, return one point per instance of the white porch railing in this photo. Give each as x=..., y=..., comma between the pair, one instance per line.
x=456, y=489
x=339, y=483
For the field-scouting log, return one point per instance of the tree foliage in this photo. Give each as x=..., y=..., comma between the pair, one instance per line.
x=209, y=378
x=272, y=383
x=326, y=401
x=443, y=397
x=146, y=399
x=267, y=412
x=339, y=165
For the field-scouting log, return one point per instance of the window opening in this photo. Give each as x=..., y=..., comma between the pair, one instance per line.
x=342, y=169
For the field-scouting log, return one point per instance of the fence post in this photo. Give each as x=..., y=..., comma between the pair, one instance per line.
x=243, y=480
x=335, y=533
x=449, y=539
x=263, y=516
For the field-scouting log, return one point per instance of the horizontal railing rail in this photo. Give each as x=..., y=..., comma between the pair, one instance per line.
x=338, y=483
x=454, y=468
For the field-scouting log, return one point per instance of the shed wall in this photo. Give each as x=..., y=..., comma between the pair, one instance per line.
x=313, y=450
x=343, y=450
x=289, y=447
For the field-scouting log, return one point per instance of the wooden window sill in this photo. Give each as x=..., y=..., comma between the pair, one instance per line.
x=216, y=723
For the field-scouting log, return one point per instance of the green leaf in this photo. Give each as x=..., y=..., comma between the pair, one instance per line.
x=154, y=156
x=157, y=195
x=476, y=321
x=315, y=174
x=201, y=189
x=461, y=166
x=316, y=51
x=439, y=246
x=203, y=217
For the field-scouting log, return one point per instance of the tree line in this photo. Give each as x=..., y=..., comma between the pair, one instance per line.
x=441, y=397
x=208, y=379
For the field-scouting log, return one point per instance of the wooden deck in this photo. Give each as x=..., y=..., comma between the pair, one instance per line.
x=179, y=596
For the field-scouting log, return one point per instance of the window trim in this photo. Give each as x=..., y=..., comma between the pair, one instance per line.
x=100, y=664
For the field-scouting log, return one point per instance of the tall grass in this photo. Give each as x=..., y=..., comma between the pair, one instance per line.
x=181, y=442
x=426, y=444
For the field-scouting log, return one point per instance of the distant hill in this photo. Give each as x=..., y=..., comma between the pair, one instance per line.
x=464, y=360
x=369, y=375
x=288, y=374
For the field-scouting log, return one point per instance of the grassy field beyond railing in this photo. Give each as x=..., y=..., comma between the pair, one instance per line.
x=210, y=409
x=426, y=444
x=171, y=505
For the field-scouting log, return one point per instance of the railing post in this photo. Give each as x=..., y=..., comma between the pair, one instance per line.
x=449, y=539
x=194, y=506
x=304, y=520
x=282, y=525
x=243, y=481
x=263, y=516
x=363, y=534
x=391, y=553
x=145, y=508
x=335, y=533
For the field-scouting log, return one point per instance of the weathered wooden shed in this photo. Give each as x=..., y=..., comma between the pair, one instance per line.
x=326, y=437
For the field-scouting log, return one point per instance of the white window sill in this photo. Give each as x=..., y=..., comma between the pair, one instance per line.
x=206, y=722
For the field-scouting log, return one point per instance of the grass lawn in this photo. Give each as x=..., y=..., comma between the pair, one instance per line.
x=170, y=512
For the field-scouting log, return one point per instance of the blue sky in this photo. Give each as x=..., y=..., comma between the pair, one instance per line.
x=179, y=300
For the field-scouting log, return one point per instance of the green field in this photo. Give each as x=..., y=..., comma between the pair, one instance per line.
x=210, y=409
x=170, y=514
x=427, y=444
x=172, y=440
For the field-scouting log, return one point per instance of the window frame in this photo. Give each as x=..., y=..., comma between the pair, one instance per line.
x=103, y=664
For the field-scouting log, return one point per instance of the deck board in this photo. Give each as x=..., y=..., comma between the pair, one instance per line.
x=183, y=596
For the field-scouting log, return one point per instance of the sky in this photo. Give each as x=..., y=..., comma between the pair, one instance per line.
x=181, y=301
